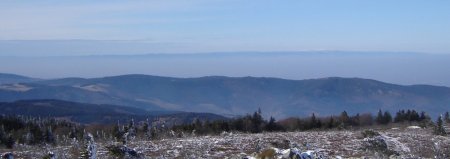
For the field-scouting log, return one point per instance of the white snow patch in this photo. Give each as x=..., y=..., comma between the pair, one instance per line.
x=16, y=87
x=413, y=127
x=94, y=87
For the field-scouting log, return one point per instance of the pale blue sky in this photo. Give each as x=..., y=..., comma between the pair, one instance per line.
x=86, y=27
x=368, y=33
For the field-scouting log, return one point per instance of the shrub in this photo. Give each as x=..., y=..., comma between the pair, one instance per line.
x=122, y=151
x=267, y=154
x=369, y=133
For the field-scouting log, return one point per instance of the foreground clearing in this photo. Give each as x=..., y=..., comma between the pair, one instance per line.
x=398, y=143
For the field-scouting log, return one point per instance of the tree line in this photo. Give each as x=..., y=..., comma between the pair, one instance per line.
x=250, y=123
x=256, y=123
x=34, y=130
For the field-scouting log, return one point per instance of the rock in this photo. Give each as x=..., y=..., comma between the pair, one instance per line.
x=294, y=153
x=8, y=155
x=51, y=155
x=307, y=155
x=285, y=153
x=123, y=151
x=282, y=143
x=378, y=144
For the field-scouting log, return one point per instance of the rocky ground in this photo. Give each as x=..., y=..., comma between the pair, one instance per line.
x=409, y=142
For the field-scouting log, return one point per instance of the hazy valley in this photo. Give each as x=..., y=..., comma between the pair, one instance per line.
x=232, y=96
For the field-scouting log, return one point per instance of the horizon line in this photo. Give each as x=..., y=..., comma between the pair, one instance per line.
x=244, y=52
x=224, y=76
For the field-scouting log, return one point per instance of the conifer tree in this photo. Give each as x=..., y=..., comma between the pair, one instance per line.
x=330, y=123
x=90, y=148
x=147, y=129
x=28, y=138
x=356, y=120
x=2, y=133
x=49, y=137
x=380, y=117
x=398, y=117
x=345, y=119
x=118, y=131
x=256, y=122
x=313, y=122
x=132, y=129
x=73, y=133
x=9, y=141
x=271, y=126
x=439, y=128
x=387, y=118
x=447, y=117
x=198, y=126
x=422, y=116
x=414, y=116
x=318, y=124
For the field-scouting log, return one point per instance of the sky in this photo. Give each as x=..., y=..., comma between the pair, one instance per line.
x=396, y=41
x=86, y=27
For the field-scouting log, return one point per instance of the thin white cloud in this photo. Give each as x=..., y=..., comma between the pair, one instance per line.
x=89, y=19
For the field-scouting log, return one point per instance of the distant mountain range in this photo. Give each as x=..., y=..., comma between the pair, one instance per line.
x=237, y=95
x=6, y=78
x=97, y=113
